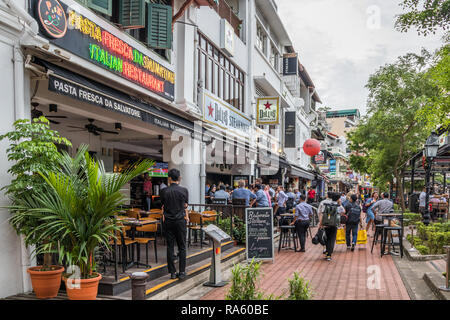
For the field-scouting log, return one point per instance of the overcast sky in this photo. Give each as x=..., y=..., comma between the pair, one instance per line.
x=341, y=42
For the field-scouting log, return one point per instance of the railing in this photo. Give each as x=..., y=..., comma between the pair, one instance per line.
x=224, y=211
x=225, y=12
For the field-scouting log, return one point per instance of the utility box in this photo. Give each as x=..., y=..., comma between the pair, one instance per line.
x=217, y=235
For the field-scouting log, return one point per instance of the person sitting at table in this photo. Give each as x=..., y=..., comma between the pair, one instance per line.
x=261, y=197
x=242, y=193
x=222, y=194
x=210, y=194
x=381, y=207
x=303, y=212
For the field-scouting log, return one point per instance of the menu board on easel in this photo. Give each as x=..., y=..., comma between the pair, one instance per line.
x=259, y=233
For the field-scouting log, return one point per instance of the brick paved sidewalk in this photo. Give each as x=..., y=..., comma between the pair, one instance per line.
x=344, y=278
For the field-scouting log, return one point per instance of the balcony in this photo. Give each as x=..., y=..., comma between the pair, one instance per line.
x=225, y=12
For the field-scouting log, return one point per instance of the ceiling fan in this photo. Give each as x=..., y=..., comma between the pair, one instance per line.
x=35, y=113
x=92, y=128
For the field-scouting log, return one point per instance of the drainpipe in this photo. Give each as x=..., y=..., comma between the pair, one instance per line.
x=19, y=105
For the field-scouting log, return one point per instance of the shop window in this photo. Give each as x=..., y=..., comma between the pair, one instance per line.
x=219, y=74
x=274, y=57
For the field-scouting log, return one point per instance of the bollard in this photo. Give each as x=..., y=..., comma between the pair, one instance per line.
x=138, y=280
x=447, y=284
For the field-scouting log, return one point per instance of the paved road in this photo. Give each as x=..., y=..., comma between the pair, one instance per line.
x=349, y=276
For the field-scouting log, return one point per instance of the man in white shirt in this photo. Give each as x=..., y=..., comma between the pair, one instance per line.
x=422, y=201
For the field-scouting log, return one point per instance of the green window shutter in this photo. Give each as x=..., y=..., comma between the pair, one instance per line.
x=103, y=6
x=159, y=27
x=132, y=14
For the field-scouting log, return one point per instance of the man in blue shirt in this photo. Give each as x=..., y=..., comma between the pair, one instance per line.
x=242, y=193
x=222, y=194
x=281, y=200
x=261, y=198
x=301, y=220
x=297, y=195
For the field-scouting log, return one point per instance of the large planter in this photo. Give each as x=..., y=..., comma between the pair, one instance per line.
x=86, y=290
x=46, y=283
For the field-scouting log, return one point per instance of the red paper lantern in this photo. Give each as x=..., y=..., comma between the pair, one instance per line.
x=311, y=147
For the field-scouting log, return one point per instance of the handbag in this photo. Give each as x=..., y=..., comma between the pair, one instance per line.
x=320, y=237
x=362, y=237
x=340, y=236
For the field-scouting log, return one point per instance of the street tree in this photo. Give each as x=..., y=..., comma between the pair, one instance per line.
x=391, y=132
x=427, y=16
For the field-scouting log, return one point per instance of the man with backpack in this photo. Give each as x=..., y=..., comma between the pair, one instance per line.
x=353, y=211
x=330, y=219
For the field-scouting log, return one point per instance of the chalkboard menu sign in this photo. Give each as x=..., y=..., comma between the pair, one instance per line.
x=259, y=227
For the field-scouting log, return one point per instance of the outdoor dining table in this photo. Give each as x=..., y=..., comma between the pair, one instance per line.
x=134, y=223
x=391, y=216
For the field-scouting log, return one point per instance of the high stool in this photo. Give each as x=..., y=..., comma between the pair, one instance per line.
x=392, y=242
x=287, y=234
x=378, y=232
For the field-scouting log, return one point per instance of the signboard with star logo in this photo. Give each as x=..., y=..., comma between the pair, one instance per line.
x=267, y=110
x=221, y=114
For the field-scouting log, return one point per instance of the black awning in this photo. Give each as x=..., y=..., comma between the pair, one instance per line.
x=302, y=173
x=73, y=85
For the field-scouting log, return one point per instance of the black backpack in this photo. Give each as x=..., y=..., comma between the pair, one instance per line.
x=354, y=214
x=331, y=218
x=290, y=203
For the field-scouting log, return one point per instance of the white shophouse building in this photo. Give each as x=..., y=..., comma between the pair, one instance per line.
x=103, y=71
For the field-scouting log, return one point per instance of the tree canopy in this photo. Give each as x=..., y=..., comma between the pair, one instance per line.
x=392, y=132
x=427, y=16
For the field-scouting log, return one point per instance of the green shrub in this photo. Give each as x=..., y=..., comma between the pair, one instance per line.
x=424, y=250
x=299, y=289
x=417, y=241
x=413, y=218
x=239, y=232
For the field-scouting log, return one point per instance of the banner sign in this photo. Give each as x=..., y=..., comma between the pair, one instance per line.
x=259, y=233
x=219, y=113
x=290, y=64
x=289, y=129
x=68, y=29
x=106, y=101
x=267, y=110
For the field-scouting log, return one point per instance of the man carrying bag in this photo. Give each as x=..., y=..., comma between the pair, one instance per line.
x=353, y=210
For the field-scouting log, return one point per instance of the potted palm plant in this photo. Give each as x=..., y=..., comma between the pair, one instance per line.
x=77, y=213
x=32, y=149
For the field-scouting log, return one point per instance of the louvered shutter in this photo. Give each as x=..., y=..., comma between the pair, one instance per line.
x=103, y=6
x=159, y=26
x=132, y=14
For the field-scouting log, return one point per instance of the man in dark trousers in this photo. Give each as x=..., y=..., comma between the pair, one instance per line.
x=175, y=200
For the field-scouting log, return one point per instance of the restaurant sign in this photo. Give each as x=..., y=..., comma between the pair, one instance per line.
x=320, y=158
x=67, y=28
x=219, y=113
x=267, y=110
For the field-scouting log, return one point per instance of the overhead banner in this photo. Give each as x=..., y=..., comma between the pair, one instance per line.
x=219, y=113
x=267, y=110
x=290, y=64
x=289, y=129
x=67, y=28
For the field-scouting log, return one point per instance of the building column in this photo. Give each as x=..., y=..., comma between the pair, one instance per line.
x=185, y=155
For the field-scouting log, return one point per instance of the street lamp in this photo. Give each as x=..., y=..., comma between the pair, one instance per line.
x=431, y=149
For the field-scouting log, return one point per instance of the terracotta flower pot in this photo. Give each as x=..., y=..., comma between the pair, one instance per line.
x=86, y=290
x=46, y=283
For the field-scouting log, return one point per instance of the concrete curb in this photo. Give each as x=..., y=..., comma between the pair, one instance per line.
x=415, y=255
x=434, y=280
x=183, y=287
